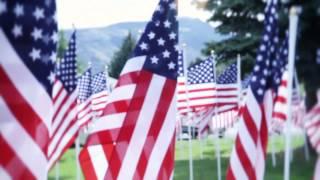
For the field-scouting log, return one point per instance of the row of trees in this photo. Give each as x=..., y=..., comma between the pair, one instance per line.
x=240, y=22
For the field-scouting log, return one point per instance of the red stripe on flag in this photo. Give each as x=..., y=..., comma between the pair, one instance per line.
x=24, y=114
x=156, y=125
x=12, y=164
x=129, y=125
x=245, y=162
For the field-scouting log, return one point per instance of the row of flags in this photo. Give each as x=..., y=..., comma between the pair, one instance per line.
x=43, y=104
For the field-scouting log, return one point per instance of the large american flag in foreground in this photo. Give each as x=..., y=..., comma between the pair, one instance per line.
x=248, y=157
x=134, y=138
x=64, y=123
x=28, y=37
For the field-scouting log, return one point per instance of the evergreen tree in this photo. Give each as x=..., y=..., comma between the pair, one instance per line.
x=240, y=23
x=62, y=44
x=120, y=57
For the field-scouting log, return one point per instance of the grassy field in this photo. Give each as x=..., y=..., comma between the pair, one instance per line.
x=206, y=168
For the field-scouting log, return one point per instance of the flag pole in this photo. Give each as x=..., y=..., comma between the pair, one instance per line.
x=217, y=141
x=57, y=170
x=188, y=113
x=77, y=156
x=239, y=80
x=107, y=78
x=274, y=159
x=293, y=24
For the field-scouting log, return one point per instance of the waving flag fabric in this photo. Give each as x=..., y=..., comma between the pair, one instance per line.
x=248, y=157
x=199, y=92
x=28, y=37
x=64, y=123
x=313, y=127
x=134, y=138
x=99, y=93
x=84, y=97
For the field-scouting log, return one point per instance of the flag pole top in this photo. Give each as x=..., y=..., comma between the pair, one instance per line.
x=295, y=10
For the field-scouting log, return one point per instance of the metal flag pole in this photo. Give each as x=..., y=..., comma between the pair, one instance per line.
x=201, y=144
x=274, y=159
x=239, y=80
x=77, y=156
x=57, y=170
x=188, y=113
x=216, y=135
x=293, y=25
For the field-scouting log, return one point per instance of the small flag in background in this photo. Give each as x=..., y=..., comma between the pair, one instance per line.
x=134, y=138
x=199, y=92
x=99, y=93
x=28, y=37
x=84, y=97
x=64, y=124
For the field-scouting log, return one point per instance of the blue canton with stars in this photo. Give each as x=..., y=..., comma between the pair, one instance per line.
x=31, y=28
x=66, y=69
x=159, y=42
x=262, y=73
x=84, y=86
x=99, y=82
x=229, y=76
x=201, y=72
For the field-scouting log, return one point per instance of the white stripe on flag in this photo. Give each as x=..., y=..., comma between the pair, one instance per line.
x=139, y=135
x=4, y=175
x=162, y=144
x=108, y=122
x=99, y=160
x=133, y=64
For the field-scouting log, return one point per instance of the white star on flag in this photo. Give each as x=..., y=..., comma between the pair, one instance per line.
x=154, y=60
x=54, y=37
x=167, y=24
x=161, y=42
x=35, y=54
x=38, y=13
x=171, y=65
x=143, y=46
x=36, y=34
x=172, y=35
x=151, y=35
x=166, y=54
x=18, y=10
x=17, y=30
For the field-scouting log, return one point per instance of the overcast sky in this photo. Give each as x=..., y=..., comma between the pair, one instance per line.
x=97, y=13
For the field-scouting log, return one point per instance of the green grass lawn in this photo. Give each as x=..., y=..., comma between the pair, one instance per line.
x=206, y=168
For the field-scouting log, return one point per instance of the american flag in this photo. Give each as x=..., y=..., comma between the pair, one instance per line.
x=227, y=88
x=28, y=36
x=99, y=93
x=134, y=138
x=281, y=102
x=84, y=97
x=199, y=92
x=227, y=103
x=247, y=160
x=64, y=124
